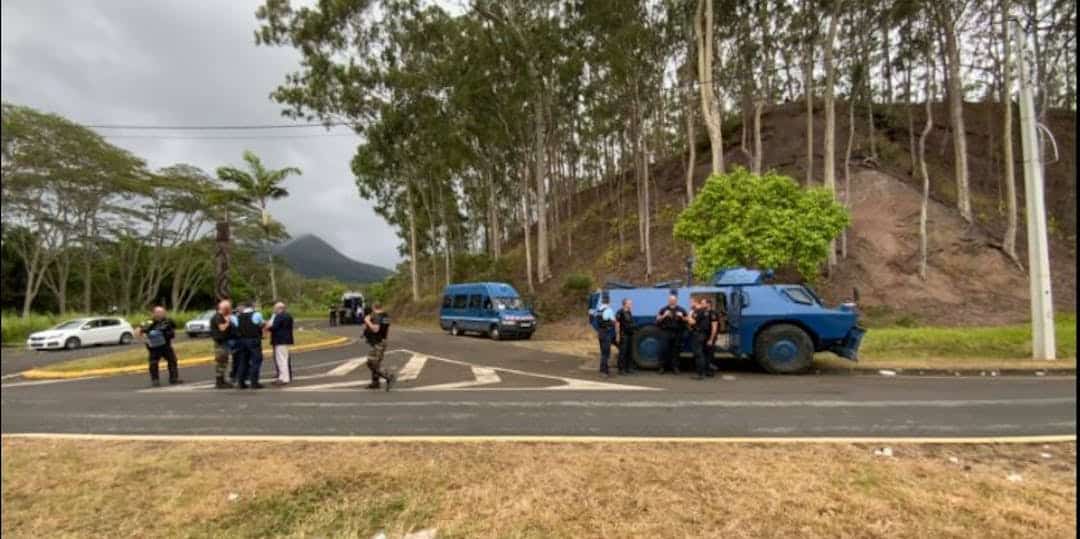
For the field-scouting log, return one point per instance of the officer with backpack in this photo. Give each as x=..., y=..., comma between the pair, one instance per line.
x=160, y=330
x=624, y=336
x=376, y=329
x=248, y=355
x=605, y=332
x=701, y=329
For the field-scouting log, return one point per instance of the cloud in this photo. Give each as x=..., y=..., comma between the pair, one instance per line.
x=193, y=62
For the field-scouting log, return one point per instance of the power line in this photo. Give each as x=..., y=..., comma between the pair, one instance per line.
x=214, y=127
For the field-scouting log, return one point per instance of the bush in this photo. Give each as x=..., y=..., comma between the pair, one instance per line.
x=577, y=284
x=768, y=221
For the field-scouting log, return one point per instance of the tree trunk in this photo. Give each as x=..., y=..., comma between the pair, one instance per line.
x=709, y=106
x=221, y=259
x=415, y=279
x=922, y=168
x=755, y=166
x=887, y=68
x=830, y=119
x=808, y=93
x=269, y=252
x=528, y=247
x=870, y=120
x=1009, y=241
x=910, y=120
x=956, y=113
x=646, y=217
x=543, y=271
x=847, y=175
x=690, y=142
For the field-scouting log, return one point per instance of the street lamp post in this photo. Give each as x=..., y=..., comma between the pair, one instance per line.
x=1042, y=306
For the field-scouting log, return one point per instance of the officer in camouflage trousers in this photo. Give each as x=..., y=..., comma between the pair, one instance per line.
x=221, y=330
x=376, y=329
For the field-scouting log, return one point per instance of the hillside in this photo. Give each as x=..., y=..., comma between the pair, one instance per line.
x=310, y=256
x=970, y=282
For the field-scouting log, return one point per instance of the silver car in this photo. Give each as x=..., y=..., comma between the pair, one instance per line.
x=199, y=326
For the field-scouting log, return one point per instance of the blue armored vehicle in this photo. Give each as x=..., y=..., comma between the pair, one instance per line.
x=780, y=326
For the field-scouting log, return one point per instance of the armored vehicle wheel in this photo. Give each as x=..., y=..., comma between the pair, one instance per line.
x=648, y=347
x=784, y=349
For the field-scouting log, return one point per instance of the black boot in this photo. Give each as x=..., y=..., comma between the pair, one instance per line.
x=220, y=383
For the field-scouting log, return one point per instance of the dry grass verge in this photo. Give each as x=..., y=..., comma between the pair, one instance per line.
x=57, y=488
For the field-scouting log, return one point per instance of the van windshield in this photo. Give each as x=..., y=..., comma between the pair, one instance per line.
x=505, y=303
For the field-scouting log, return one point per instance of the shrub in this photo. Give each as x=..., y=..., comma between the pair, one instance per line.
x=577, y=284
x=740, y=219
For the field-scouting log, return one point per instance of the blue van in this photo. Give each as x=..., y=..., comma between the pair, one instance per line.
x=492, y=309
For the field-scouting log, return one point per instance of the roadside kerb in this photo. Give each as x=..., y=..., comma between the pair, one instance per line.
x=41, y=374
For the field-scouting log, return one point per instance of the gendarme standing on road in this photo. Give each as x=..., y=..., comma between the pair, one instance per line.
x=159, y=331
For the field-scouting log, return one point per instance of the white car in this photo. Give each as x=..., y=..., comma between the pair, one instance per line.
x=199, y=326
x=82, y=332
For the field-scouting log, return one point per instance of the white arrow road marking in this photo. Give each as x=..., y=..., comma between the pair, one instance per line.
x=481, y=376
x=347, y=367
x=412, y=368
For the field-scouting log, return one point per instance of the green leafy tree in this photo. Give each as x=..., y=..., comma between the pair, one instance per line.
x=257, y=186
x=765, y=221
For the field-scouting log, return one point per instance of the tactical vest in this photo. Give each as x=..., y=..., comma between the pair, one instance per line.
x=384, y=328
x=216, y=333
x=247, y=328
x=601, y=324
x=702, y=322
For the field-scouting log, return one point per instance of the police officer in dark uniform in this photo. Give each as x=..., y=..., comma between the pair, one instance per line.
x=605, y=332
x=248, y=356
x=160, y=330
x=624, y=336
x=672, y=319
x=701, y=331
x=333, y=316
x=710, y=345
x=376, y=329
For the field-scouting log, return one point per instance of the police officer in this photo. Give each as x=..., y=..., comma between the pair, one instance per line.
x=333, y=316
x=376, y=329
x=605, y=332
x=160, y=331
x=221, y=330
x=710, y=345
x=672, y=319
x=624, y=335
x=249, y=328
x=701, y=331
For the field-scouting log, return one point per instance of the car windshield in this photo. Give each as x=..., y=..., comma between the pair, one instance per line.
x=508, y=303
x=71, y=324
x=206, y=315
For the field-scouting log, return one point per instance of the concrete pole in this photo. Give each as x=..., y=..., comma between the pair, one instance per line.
x=1042, y=305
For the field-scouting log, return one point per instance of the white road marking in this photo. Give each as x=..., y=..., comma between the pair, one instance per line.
x=347, y=367
x=481, y=376
x=412, y=368
x=45, y=382
x=12, y=375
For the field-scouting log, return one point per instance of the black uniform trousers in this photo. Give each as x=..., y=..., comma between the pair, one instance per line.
x=625, y=362
x=164, y=352
x=674, y=348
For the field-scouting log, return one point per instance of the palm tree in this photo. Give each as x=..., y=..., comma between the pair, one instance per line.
x=256, y=186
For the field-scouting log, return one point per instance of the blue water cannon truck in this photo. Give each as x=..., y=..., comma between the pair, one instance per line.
x=780, y=326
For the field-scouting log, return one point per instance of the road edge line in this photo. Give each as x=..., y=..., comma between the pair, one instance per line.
x=1033, y=439
x=39, y=374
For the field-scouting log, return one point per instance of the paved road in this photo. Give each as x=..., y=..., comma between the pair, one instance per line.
x=473, y=386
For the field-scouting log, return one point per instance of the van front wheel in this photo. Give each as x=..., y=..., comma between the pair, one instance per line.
x=494, y=333
x=454, y=330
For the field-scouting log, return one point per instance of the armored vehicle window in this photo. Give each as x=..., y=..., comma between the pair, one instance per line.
x=447, y=301
x=460, y=301
x=798, y=295
x=474, y=301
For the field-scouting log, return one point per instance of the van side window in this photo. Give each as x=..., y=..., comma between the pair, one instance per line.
x=487, y=304
x=460, y=301
x=447, y=301
x=474, y=301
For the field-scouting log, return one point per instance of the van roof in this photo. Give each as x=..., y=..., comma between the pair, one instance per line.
x=487, y=285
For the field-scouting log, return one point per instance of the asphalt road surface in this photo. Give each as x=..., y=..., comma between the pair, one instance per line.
x=474, y=386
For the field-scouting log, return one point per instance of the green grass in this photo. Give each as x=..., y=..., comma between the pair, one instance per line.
x=136, y=355
x=998, y=342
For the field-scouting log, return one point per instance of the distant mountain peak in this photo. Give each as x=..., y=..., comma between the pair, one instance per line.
x=311, y=256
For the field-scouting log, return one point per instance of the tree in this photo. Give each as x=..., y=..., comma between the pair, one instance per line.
x=1008, y=244
x=924, y=207
x=948, y=15
x=257, y=186
x=766, y=221
x=710, y=106
x=830, y=114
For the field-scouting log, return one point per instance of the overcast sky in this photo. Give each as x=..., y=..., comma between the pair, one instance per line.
x=187, y=62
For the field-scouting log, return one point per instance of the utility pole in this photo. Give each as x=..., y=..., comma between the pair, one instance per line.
x=1042, y=306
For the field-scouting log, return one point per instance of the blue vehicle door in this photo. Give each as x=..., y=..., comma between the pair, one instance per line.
x=475, y=314
x=734, y=318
